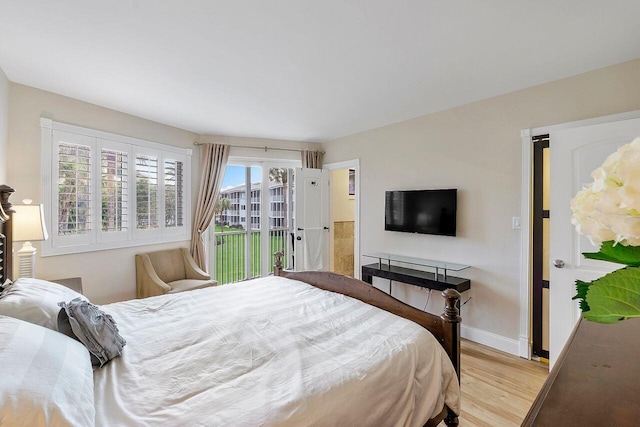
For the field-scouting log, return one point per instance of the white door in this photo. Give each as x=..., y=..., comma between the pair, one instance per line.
x=311, y=245
x=575, y=153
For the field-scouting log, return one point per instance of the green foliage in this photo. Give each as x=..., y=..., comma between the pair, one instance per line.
x=582, y=288
x=609, y=251
x=615, y=296
x=231, y=256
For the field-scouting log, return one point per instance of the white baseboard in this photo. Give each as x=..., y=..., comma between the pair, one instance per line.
x=525, y=351
x=490, y=339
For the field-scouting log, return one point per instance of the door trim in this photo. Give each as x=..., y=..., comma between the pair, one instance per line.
x=525, y=215
x=350, y=164
x=539, y=214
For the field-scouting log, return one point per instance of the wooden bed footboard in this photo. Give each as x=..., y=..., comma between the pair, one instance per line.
x=446, y=327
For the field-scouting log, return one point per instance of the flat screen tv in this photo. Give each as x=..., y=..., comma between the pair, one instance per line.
x=421, y=211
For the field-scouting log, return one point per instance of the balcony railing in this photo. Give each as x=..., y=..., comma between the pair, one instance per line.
x=231, y=253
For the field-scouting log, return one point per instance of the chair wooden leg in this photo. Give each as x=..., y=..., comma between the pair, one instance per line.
x=452, y=419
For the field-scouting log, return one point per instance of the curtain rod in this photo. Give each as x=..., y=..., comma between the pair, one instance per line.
x=265, y=148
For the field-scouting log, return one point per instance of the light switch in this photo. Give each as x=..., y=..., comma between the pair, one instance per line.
x=515, y=223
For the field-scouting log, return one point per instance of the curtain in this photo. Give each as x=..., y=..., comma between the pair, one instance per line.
x=214, y=163
x=312, y=159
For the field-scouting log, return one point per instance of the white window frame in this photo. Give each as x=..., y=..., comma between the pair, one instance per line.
x=98, y=240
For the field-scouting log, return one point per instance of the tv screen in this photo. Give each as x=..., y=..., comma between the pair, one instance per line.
x=421, y=211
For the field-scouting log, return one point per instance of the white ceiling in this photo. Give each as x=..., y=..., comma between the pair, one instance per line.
x=300, y=69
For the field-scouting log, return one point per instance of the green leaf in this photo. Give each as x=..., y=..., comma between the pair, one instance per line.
x=582, y=288
x=628, y=255
x=613, y=297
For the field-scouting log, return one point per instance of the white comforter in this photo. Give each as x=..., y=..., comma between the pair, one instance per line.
x=266, y=352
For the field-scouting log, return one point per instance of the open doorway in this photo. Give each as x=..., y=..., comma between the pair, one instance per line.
x=343, y=244
x=343, y=221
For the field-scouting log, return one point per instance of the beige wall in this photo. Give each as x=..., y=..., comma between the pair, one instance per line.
x=107, y=275
x=4, y=125
x=342, y=205
x=475, y=148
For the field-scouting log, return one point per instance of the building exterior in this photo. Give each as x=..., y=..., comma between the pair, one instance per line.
x=236, y=214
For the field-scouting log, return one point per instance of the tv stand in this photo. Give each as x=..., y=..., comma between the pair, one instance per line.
x=438, y=279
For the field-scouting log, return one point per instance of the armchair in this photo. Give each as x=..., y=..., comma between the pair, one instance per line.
x=168, y=272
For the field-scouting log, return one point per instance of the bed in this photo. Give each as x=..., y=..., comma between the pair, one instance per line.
x=296, y=348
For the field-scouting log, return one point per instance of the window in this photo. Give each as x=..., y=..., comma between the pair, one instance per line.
x=87, y=177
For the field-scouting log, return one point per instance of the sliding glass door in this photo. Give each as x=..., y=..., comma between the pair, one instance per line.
x=253, y=198
x=280, y=215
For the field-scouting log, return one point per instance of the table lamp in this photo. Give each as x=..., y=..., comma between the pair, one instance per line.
x=28, y=226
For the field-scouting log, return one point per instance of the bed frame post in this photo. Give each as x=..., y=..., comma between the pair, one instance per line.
x=277, y=267
x=451, y=323
x=6, y=236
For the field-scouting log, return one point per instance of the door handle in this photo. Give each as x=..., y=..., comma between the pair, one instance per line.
x=558, y=263
x=298, y=238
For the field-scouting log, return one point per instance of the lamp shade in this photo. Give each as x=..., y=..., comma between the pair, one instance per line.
x=28, y=223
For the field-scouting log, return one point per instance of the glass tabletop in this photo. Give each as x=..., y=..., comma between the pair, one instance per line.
x=383, y=256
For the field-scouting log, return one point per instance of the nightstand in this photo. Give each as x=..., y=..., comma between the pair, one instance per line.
x=74, y=283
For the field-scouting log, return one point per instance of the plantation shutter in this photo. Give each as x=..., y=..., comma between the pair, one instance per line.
x=174, y=193
x=74, y=189
x=146, y=192
x=105, y=191
x=115, y=190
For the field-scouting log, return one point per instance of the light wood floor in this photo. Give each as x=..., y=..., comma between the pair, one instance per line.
x=497, y=388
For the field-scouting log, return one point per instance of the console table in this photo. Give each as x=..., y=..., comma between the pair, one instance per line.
x=74, y=283
x=595, y=381
x=438, y=279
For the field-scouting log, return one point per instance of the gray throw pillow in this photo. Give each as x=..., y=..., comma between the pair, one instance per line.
x=93, y=327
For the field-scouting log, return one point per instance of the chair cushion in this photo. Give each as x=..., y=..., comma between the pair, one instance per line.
x=168, y=265
x=189, y=284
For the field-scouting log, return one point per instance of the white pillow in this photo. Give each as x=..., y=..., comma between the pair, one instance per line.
x=47, y=377
x=35, y=301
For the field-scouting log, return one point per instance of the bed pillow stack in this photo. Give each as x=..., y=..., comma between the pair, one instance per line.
x=35, y=301
x=46, y=377
x=62, y=309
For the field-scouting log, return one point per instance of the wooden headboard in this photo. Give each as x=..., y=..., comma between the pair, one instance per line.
x=6, y=234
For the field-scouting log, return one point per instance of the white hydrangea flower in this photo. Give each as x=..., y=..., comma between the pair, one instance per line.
x=609, y=207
